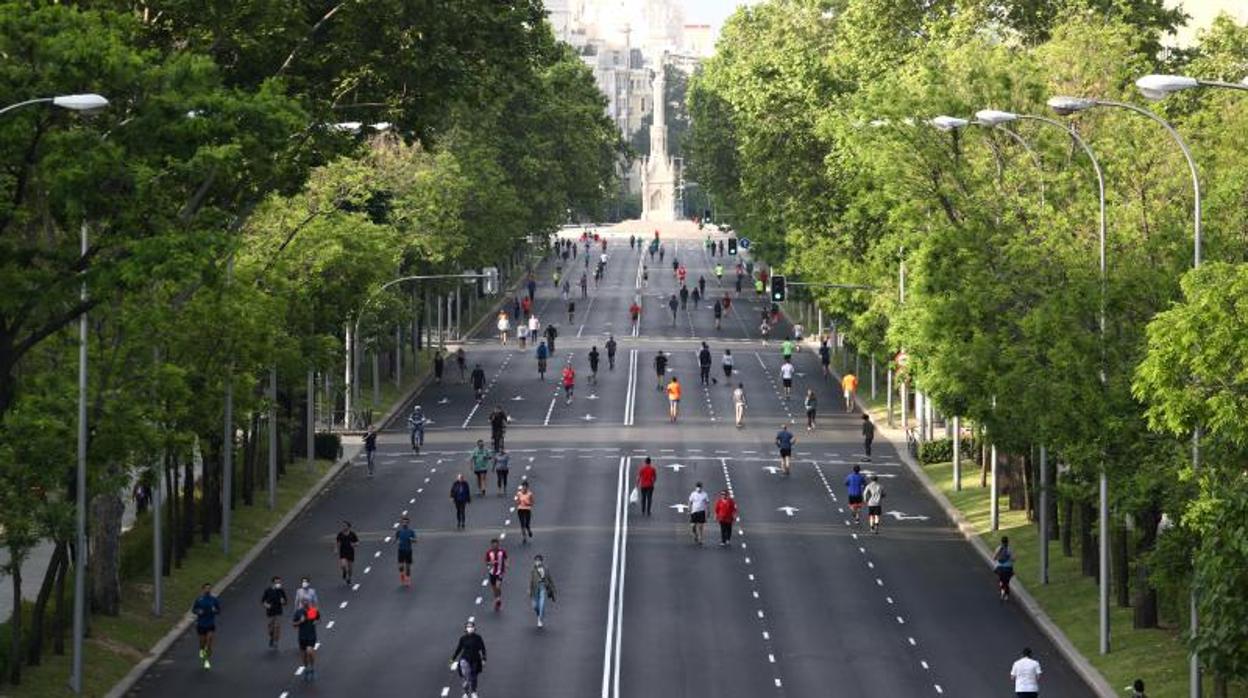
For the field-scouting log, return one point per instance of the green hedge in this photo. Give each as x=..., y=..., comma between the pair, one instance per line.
x=941, y=451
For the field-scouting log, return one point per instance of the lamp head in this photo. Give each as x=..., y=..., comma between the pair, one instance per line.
x=88, y=102
x=1158, y=86
x=1069, y=105
x=993, y=117
x=948, y=123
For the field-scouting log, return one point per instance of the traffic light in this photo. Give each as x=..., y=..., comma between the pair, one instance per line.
x=732, y=247
x=777, y=288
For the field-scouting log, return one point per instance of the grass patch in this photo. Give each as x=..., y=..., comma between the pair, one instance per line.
x=1070, y=599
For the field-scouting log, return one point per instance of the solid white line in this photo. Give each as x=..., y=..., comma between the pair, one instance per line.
x=619, y=624
x=615, y=568
x=549, y=411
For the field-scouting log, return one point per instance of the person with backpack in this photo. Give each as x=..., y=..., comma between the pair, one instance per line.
x=1003, y=565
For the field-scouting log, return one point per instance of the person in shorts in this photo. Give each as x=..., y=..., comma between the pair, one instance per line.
x=405, y=537
x=786, y=376
x=784, y=442
x=699, y=501
x=345, y=543
x=855, y=483
x=673, y=398
x=205, y=609
x=496, y=564
x=274, y=600
x=873, y=493
x=305, y=620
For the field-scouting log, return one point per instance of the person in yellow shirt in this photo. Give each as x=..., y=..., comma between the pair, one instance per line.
x=673, y=398
x=849, y=386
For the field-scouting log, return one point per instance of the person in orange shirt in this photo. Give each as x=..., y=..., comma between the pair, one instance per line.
x=673, y=398
x=849, y=386
x=524, y=510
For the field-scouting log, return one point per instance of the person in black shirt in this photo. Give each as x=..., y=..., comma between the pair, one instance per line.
x=660, y=368
x=345, y=543
x=704, y=364
x=684, y=297
x=551, y=333
x=439, y=364
x=611, y=346
x=498, y=426
x=868, y=435
x=461, y=360
x=370, y=448
x=461, y=494
x=593, y=364
x=305, y=620
x=274, y=601
x=478, y=382
x=469, y=658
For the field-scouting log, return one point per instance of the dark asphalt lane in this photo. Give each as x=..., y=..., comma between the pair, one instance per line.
x=792, y=608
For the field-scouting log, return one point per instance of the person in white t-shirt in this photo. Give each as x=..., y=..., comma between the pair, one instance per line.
x=698, y=502
x=535, y=326
x=873, y=494
x=738, y=403
x=1026, y=676
x=504, y=326
x=786, y=375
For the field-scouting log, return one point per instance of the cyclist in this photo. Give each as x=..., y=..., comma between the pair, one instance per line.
x=416, y=423
x=542, y=354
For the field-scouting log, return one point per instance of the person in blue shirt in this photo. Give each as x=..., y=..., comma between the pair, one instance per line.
x=785, y=441
x=405, y=537
x=542, y=354
x=416, y=422
x=854, y=485
x=206, y=608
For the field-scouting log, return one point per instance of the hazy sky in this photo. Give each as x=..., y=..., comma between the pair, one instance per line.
x=712, y=12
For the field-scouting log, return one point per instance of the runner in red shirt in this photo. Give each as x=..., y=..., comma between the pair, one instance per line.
x=495, y=568
x=645, y=485
x=725, y=514
x=634, y=313
x=569, y=381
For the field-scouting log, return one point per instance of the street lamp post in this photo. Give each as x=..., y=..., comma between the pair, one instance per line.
x=1068, y=105
x=87, y=102
x=991, y=116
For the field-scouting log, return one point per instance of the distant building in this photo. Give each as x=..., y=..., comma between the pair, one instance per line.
x=698, y=40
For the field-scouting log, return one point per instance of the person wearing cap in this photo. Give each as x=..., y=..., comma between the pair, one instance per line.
x=469, y=658
x=725, y=514
x=874, y=494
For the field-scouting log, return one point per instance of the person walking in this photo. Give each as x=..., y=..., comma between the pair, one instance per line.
x=698, y=503
x=205, y=608
x=646, y=478
x=611, y=347
x=874, y=496
x=524, y=510
x=825, y=357
x=1025, y=673
x=496, y=564
x=535, y=327
x=531, y=287
x=1003, y=565
x=725, y=514
x=504, y=326
x=481, y=461
x=571, y=312
x=738, y=404
x=849, y=389
x=568, y=378
x=868, y=435
x=461, y=495
x=684, y=297
x=673, y=305
x=551, y=333
x=541, y=588
x=784, y=442
x=478, y=383
x=406, y=538
x=439, y=365
x=345, y=543
x=810, y=403
x=461, y=360
x=727, y=362
x=786, y=377
x=660, y=368
x=468, y=660
x=498, y=427
x=593, y=364
x=274, y=601
x=704, y=364
x=673, y=399
x=416, y=425
x=304, y=621
x=584, y=285
x=718, y=311
x=634, y=315
x=702, y=284
x=370, y=448
x=542, y=354
x=855, y=483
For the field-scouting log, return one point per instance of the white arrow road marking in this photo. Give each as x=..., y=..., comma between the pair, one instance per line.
x=592, y=397
x=902, y=516
x=771, y=469
x=517, y=399
x=680, y=508
x=675, y=467
x=788, y=510
x=444, y=400
x=588, y=418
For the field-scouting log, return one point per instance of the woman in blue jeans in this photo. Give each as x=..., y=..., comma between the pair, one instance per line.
x=541, y=588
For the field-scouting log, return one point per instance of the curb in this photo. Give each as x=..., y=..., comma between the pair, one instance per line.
x=1091, y=676
x=162, y=646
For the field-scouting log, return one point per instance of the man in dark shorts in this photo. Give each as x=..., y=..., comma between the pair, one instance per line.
x=206, y=608
x=699, y=502
x=305, y=620
x=611, y=347
x=784, y=442
x=345, y=543
x=274, y=601
x=855, y=483
x=873, y=493
x=405, y=537
x=704, y=364
x=495, y=568
x=660, y=368
x=868, y=435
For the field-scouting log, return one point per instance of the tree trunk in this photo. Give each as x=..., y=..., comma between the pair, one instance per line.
x=105, y=540
x=1145, y=601
x=188, y=507
x=1087, y=543
x=34, y=648
x=983, y=465
x=61, y=619
x=16, y=556
x=1068, y=526
x=1121, y=566
x=1016, y=482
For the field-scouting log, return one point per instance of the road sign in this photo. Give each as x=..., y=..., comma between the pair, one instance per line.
x=743, y=243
